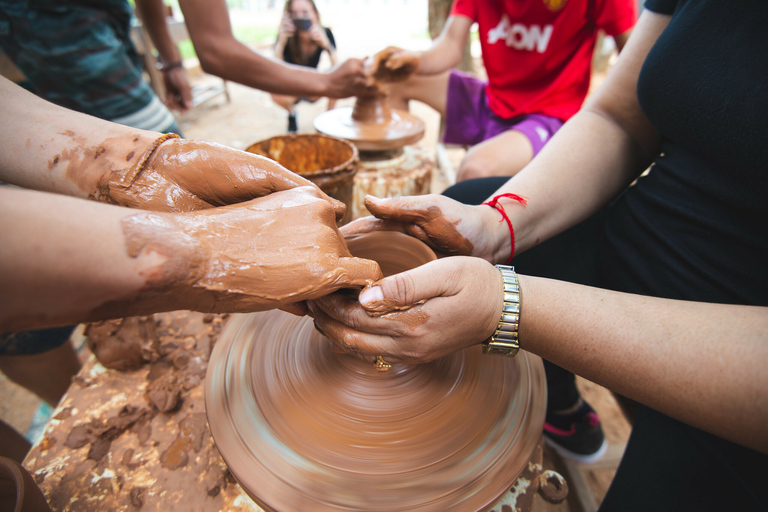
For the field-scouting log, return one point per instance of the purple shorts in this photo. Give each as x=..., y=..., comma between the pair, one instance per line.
x=469, y=120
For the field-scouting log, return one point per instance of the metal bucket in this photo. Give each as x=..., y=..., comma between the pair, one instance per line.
x=328, y=162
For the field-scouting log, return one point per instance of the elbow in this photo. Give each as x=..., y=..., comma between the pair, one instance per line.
x=212, y=57
x=209, y=62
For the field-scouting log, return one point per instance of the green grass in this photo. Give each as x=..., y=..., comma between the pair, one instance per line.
x=255, y=35
x=247, y=35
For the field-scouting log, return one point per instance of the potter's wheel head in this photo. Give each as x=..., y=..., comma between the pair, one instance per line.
x=399, y=130
x=302, y=428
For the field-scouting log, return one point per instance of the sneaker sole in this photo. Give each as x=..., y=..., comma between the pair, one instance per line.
x=583, y=459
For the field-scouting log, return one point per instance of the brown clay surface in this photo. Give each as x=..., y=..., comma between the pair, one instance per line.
x=303, y=428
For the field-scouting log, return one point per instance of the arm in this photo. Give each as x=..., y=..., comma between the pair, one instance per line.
x=222, y=55
x=596, y=155
x=64, y=260
x=447, y=48
x=621, y=40
x=395, y=65
x=86, y=157
x=593, y=157
x=670, y=355
x=178, y=93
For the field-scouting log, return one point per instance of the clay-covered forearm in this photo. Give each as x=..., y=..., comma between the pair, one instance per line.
x=65, y=260
x=593, y=157
x=49, y=148
x=675, y=356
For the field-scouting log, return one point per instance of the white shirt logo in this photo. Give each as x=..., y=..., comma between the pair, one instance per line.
x=520, y=37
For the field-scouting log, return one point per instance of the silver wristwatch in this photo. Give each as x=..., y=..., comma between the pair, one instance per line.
x=504, y=340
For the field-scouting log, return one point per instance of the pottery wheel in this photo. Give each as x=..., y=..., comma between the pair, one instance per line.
x=395, y=131
x=302, y=428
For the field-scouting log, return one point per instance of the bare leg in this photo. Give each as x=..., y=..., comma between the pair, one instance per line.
x=432, y=90
x=284, y=101
x=503, y=155
x=48, y=374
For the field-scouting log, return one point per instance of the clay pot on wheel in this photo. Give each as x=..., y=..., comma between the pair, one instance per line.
x=328, y=162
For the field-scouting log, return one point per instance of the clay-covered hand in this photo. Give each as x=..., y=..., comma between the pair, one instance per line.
x=178, y=93
x=463, y=299
x=391, y=64
x=258, y=255
x=186, y=175
x=447, y=226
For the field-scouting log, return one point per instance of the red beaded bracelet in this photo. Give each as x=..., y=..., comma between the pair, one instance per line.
x=494, y=203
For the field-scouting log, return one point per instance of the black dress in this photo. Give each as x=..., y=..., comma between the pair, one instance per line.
x=695, y=228
x=314, y=59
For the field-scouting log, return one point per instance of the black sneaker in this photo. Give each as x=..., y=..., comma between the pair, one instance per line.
x=292, y=125
x=576, y=435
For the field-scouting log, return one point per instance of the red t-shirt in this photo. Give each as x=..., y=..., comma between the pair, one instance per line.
x=538, y=53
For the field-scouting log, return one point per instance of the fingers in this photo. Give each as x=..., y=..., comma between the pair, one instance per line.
x=361, y=272
x=297, y=308
x=402, y=209
x=347, y=79
x=367, y=225
x=345, y=340
x=395, y=292
x=423, y=218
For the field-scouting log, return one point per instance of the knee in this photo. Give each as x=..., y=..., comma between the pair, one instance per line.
x=471, y=168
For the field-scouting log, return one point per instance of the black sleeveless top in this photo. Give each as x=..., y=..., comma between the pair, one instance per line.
x=696, y=227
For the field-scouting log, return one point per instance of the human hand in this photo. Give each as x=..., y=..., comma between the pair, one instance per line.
x=178, y=93
x=346, y=79
x=319, y=37
x=463, y=302
x=391, y=64
x=186, y=175
x=257, y=255
x=447, y=226
x=286, y=29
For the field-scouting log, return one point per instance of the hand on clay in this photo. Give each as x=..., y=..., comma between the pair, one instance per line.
x=261, y=254
x=463, y=298
x=186, y=175
x=347, y=79
x=391, y=64
x=178, y=93
x=447, y=226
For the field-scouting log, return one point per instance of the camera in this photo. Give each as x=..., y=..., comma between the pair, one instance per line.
x=302, y=23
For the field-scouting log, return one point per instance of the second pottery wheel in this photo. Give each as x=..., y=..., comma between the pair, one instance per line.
x=303, y=428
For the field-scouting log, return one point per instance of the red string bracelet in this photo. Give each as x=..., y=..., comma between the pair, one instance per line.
x=494, y=203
